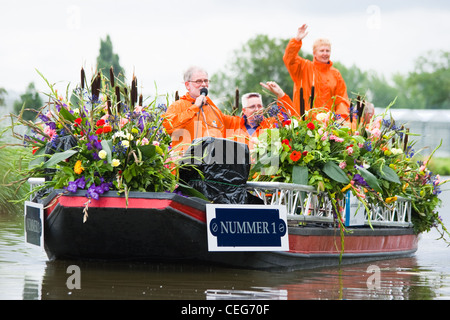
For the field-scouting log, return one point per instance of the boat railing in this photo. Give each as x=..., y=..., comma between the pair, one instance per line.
x=304, y=204
x=33, y=182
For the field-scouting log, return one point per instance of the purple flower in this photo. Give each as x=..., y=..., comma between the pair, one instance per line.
x=92, y=192
x=81, y=183
x=72, y=187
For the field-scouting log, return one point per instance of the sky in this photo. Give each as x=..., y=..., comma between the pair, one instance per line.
x=159, y=40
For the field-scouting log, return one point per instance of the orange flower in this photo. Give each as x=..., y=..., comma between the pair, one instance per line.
x=107, y=129
x=78, y=168
x=295, y=156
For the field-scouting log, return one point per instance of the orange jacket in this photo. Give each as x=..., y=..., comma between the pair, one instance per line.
x=329, y=86
x=184, y=121
x=238, y=131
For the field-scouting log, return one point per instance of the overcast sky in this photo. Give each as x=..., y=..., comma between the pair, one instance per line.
x=160, y=39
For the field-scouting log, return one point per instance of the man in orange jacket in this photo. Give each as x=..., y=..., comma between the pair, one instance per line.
x=194, y=115
x=321, y=83
x=252, y=122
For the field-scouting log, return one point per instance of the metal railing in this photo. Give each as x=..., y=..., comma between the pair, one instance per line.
x=304, y=203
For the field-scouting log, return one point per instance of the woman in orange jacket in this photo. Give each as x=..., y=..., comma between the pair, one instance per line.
x=321, y=84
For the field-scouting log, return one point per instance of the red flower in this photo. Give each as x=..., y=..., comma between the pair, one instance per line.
x=100, y=123
x=295, y=156
x=286, y=142
x=304, y=153
x=78, y=120
x=99, y=131
x=311, y=126
x=287, y=122
x=107, y=129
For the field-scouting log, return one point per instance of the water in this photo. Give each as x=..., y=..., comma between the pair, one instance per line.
x=26, y=274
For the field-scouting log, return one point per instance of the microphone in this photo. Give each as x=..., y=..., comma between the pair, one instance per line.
x=203, y=92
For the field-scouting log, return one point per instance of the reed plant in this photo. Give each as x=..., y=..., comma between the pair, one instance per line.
x=10, y=193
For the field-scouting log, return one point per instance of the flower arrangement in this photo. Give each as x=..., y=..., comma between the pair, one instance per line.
x=374, y=160
x=100, y=138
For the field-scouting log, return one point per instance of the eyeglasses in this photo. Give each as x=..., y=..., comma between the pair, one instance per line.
x=200, y=81
x=254, y=107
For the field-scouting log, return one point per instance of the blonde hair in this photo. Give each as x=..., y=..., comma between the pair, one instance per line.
x=321, y=42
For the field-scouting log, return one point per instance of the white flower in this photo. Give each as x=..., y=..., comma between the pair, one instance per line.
x=126, y=143
x=102, y=154
x=396, y=151
x=115, y=162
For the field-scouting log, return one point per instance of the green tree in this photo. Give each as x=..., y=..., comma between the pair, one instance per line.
x=29, y=100
x=430, y=82
x=259, y=60
x=2, y=96
x=107, y=59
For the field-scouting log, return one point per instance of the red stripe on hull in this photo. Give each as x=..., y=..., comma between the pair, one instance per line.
x=133, y=203
x=352, y=244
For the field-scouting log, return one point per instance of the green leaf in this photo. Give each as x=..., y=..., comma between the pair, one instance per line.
x=107, y=146
x=148, y=151
x=300, y=175
x=370, y=179
x=58, y=157
x=333, y=171
x=67, y=115
x=389, y=174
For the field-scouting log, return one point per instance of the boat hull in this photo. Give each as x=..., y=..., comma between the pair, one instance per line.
x=162, y=227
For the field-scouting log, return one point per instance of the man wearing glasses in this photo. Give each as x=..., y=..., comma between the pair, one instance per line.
x=195, y=115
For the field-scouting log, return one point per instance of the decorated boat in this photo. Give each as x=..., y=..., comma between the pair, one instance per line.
x=162, y=227
x=314, y=191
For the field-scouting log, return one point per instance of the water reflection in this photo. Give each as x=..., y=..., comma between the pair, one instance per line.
x=26, y=274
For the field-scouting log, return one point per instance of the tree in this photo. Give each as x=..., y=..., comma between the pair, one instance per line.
x=107, y=59
x=431, y=80
x=2, y=96
x=260, y=59
x=29, y=100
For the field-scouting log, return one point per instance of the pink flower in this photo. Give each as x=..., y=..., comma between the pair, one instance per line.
x=155, y=143
x=349, y=150
x=50, y=132
x=342, y=165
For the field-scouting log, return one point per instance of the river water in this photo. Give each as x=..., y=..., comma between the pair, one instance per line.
x=26, y=274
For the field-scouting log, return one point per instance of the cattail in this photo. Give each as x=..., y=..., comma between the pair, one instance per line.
x=236, y=101
x=96, y=85
x=405, y=141
x=351, y=112
x=108, y=104
x=111, y=76
x=177, y=97
x=141, y=98
x=302, y=103
x=82, y=78
x=134, y=94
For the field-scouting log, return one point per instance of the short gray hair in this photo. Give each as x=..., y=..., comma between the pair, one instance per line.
x=247, y=96
x=189, y=72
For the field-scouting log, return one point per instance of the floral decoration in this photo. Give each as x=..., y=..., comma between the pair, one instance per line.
x=99, y=138
x=374, y=160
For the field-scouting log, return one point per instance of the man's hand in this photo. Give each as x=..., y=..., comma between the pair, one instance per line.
x=273, y=87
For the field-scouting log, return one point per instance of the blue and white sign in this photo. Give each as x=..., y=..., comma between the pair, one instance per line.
x=247, y=228
x=34, y=223
x=354, y=211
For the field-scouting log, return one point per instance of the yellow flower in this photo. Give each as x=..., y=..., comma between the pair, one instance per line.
x=346, y=187
x=102, y=154
x=115, y=162
x=406, y=185
x=78, y=169
x=391, y=199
